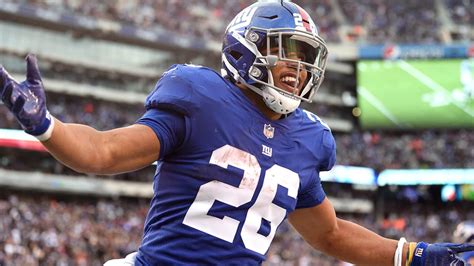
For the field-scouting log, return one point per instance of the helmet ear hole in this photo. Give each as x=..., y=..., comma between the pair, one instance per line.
x=236, y=55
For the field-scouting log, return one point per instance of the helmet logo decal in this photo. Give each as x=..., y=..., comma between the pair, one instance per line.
x=304, y=22
x=243, y=19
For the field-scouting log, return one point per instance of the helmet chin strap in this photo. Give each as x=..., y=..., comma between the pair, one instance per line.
x=274, y=100
x=279, y=103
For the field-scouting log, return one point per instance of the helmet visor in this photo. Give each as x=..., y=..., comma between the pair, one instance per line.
x=296, y=47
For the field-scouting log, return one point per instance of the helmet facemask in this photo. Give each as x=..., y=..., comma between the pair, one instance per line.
x=301, y=51
x=260, y=38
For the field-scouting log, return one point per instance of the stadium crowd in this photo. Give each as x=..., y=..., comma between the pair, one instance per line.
x=398, y=21
x=212, y=16
x=38, y=229
x=44, y=230
x=59, y=230
x=413, y=150
x=461, y=11
x=383, y=21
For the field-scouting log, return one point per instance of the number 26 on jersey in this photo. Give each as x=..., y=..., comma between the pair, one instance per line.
x=263, y=207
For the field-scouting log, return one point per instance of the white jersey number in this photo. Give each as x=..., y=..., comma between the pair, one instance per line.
x=263, y=208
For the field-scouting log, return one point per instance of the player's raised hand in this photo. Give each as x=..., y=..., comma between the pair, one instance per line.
x=437, y=254
x=27, y=100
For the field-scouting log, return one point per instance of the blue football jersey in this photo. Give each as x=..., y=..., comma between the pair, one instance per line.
x=227, y=176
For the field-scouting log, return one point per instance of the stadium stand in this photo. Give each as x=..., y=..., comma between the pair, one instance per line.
x=88, y=83
x=212, y=16
x=55, y=230
x=460, y=12
x=394, y=21
x=369, y=21
x=422, y=149
x=51, y=229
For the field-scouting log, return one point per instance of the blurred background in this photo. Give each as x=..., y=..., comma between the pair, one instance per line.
x=398, y=96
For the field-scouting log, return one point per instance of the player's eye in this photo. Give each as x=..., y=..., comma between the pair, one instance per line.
x=298, y=55
x=270, y=47
x=293, y=47
x=297, y=49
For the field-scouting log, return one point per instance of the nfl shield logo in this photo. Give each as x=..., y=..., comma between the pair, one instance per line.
x=268, y=131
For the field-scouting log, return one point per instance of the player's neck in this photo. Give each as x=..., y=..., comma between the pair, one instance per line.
x=257, y=100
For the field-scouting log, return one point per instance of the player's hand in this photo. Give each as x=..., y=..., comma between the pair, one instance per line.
x=437, y=254
x=27, y=100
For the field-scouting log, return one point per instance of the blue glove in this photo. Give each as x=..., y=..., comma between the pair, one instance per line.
x=468, y=255
x=27, y=100
x=438, y=254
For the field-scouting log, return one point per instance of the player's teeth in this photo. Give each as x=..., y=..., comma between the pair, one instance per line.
x=289, y=80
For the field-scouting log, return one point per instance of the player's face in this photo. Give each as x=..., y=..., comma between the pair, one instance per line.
x=287, y=75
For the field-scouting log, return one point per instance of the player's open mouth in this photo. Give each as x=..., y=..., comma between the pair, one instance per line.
x=290, y=82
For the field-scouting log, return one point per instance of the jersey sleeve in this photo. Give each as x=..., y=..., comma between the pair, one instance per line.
x=168, y=125
x=329, y=150
x=312, y=193
x=174, y=91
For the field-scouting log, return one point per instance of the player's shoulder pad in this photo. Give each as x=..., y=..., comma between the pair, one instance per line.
x=323, y=143
x=180, y=89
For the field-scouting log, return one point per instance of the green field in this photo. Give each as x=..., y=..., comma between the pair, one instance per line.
x=413, y=94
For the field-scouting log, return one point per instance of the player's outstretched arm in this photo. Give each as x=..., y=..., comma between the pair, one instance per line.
x=87, y=150
x=350, y=242
x=80, y=147
x=341, y=239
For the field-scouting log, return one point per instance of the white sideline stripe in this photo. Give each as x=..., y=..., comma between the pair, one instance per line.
x=16, y=134
x=378, y=105
x=420, y=76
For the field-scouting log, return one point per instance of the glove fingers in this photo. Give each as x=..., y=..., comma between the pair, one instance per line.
x=33, y=75
x=5, y=78
x=459, y=248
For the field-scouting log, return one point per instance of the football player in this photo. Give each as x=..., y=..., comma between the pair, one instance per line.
x=467, y=78
x=236, y=156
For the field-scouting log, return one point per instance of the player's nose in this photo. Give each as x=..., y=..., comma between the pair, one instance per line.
x=291, y=64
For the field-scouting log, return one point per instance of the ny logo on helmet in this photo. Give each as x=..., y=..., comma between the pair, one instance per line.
x=243, y=19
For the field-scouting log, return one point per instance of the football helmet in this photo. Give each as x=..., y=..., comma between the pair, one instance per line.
x=268, y=32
